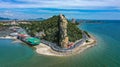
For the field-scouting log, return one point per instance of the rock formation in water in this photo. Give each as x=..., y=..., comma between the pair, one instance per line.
x=63, y=38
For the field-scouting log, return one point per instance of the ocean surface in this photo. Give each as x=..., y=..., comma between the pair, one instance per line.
x=106, y=53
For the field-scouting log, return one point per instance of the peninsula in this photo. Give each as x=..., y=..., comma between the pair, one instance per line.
x=55, y=36
x=59, y=36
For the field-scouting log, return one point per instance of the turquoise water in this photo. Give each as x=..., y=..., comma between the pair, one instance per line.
x=105, y=54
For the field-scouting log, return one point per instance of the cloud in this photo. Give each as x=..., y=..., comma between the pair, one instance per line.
x=67, y=4
x=71, y=8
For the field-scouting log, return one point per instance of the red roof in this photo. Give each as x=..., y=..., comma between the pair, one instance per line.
x=22, y=35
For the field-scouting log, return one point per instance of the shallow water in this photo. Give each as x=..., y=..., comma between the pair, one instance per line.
x=105, y=54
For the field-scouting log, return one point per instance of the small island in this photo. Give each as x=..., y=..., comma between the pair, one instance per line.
x=55, y=36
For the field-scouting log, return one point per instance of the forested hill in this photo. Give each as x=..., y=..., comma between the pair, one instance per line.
x=50, y=27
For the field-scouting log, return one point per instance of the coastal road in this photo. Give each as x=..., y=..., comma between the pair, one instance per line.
x=59, y=49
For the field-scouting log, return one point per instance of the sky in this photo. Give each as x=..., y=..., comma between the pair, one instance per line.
x=79, y=9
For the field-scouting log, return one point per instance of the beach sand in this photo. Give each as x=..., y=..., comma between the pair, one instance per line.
x=8, y=37
x=46, y=50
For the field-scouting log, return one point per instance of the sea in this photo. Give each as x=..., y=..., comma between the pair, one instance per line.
x=106, y=53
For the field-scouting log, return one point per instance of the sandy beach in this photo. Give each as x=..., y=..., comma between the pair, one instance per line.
x=7, y=37
x=46, y=50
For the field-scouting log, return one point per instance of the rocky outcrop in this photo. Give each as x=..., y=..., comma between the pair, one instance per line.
x=63, y=38
x=73, y=20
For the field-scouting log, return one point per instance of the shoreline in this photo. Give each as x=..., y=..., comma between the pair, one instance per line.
x=43, y=49
x=7, y=37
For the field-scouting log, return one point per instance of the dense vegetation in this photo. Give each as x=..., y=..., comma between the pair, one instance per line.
x=87, y=34
x=74, y=33
x=0, y=24
x=50, y=27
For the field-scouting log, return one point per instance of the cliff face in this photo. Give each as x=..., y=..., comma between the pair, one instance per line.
x=63, y=38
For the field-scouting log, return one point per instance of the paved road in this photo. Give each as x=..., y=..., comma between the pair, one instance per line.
x=59, y=49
